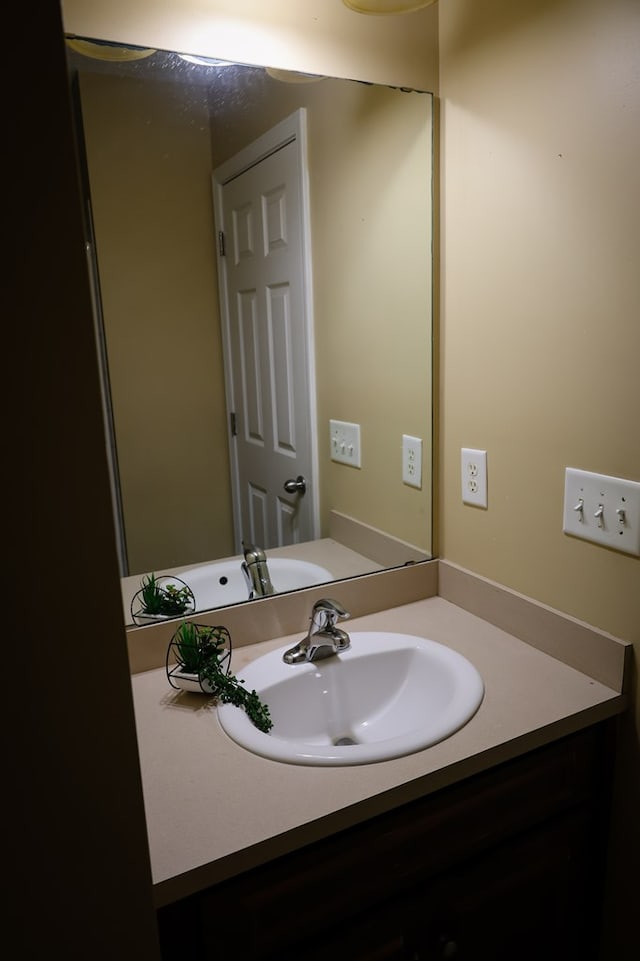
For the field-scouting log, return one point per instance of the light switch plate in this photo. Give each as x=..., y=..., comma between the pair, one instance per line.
x=602, y=509
x=344, y=439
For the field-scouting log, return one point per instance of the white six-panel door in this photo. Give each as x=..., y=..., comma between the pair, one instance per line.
x=264, y=277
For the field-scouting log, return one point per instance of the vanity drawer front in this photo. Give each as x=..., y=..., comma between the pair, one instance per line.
x=388, y=856
x=529, y=899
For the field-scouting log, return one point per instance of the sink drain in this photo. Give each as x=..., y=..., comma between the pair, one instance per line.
x=343, y=741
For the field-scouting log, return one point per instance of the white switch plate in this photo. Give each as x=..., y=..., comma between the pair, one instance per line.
x=592, y=506
x=473, y=465
x=412, y=461
x=344, y=439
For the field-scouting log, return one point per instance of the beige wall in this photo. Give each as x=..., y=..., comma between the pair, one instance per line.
x=540, y=297
x=318, y=36
x=371, y=209
x=150, y=173
x=540, y=287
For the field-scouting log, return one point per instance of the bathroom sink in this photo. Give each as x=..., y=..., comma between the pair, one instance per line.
x=222, y=582
x=387, y=696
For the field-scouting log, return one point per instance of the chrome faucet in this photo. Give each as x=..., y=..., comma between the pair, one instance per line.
x=256, y=572
x=323, y=637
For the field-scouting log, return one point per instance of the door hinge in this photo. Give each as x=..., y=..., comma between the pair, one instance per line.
x=222, y=250
x=232, y=424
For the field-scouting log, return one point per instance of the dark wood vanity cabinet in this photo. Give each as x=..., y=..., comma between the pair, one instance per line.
x=507, y=864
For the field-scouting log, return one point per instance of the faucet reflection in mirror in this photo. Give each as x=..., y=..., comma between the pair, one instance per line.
x=152, y=137
x=256, y=571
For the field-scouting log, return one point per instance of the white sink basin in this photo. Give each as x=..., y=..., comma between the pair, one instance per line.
x=222, y=582
x=387, y=696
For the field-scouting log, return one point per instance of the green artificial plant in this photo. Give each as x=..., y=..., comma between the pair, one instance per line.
x=202, y=650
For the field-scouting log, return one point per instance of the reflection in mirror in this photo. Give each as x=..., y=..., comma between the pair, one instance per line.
x=231, y=385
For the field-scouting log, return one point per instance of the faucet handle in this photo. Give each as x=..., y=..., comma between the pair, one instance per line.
x=328, y=604
x=327, y=612
x=252, y=553
x=323, y=637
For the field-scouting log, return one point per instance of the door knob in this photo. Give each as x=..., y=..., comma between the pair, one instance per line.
x=297, y=486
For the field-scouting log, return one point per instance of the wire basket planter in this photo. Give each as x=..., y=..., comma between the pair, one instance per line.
x=161, y=598
x=197, y=654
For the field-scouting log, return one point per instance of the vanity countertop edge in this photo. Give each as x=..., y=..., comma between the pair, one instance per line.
x=215, y=810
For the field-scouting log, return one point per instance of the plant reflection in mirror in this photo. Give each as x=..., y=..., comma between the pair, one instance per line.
x=168, y=599
x=161, y=597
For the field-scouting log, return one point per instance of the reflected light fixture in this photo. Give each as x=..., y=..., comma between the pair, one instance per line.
x=106, y=50
x=205, y=61
x=292, y=76
x=387, y=6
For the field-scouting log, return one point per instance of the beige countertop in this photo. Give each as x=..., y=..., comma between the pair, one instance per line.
x=214, y=809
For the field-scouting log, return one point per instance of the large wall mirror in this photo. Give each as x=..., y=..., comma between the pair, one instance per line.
x=162, y=137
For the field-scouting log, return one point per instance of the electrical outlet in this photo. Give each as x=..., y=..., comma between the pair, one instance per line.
x=602, y=509
x=474, y=476
x=412, y=461
x=344, y=440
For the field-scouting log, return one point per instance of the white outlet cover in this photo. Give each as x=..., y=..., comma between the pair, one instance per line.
x=602, y=509
x=473, y=471
x=412, y=461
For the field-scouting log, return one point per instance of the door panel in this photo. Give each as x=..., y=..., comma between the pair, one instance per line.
x=248, y=347
x=261, y=211
x=282, y=376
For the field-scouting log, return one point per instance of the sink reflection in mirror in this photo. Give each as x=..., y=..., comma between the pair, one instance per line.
x=387, y=696
x=219, y=583
x=215, y=585
x=223, y=582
